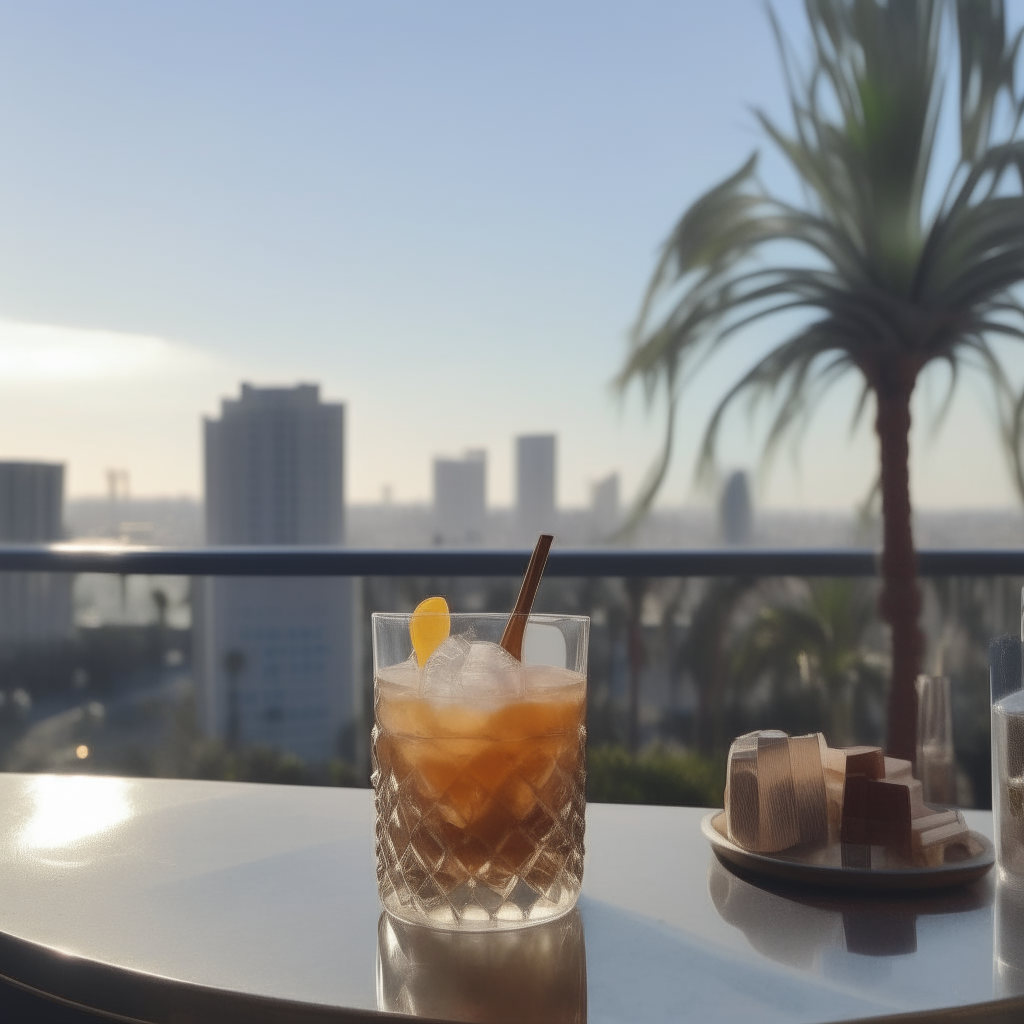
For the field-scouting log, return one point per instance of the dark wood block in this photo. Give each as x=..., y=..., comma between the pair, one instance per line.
x=876, y=812
x=868, y=761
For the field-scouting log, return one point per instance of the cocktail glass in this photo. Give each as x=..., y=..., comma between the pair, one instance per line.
x=479, y=770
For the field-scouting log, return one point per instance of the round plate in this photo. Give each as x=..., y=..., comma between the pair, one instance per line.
x=787, y=866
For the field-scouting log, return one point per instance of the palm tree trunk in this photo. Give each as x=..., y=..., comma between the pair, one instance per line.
x=900, y=602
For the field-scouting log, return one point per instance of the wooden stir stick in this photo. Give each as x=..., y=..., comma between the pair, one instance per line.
x=515, y=628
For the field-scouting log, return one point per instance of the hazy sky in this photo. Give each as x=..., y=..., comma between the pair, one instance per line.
x=445, y=212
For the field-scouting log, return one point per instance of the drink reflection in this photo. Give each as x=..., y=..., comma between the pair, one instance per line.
x=537, y=974
x=1008, y=940
x=798, y=927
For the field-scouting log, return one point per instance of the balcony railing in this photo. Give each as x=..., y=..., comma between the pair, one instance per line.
x=666, y=683
x=577, y=563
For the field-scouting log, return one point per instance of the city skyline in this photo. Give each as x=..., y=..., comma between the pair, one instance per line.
x=957, y=475
x=322, y=199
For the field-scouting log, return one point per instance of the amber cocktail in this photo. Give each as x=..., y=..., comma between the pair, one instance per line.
x=479, y=772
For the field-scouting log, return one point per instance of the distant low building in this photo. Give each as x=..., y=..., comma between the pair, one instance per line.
x=735, y=510
x=460, y=507
x=35, y=607
x=276, y=657
x=604, y=506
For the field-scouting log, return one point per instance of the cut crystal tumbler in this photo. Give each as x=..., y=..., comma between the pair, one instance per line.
x=479, y=768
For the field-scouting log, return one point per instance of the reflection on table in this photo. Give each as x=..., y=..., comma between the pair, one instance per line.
x=800, y=926
x=1008, y=940
x=537, y=974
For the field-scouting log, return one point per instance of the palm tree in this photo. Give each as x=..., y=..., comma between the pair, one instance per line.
x=890, y=283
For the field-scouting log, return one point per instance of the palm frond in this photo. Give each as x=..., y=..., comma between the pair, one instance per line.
x=986, y=71
x=709, y=234
x=879, y=280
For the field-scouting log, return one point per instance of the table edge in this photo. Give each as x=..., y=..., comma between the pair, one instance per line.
x=141, y=998
x=1000, y=1011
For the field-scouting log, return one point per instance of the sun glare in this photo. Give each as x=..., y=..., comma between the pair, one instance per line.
x=69, y=809
x=47, y=352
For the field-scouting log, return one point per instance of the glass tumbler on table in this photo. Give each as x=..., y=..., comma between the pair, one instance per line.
x=1008, y=759
x=1008, y=814
x=479, y=769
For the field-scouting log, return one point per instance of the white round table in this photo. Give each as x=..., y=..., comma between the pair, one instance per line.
x=168, y=901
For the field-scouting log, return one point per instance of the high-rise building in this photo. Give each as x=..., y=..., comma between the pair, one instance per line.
x=274, y=468
x=460, y=508
x=535, y=484
x=276, y=657
x=34, y=606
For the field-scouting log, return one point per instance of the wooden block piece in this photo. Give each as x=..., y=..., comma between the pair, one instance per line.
x=809, y=788
x=786, y=791
x=775, y=791
x=779, y=826
x=868, y=761
x=743, y=801
x=898, y=770
x=876, y=812
x=936, y=833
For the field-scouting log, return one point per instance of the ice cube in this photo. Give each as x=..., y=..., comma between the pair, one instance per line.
x=441, y=674
x=547, y=681
x=490, y=671
x=461, y=669
x=405, y=675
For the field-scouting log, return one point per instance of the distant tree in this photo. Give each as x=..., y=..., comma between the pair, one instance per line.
x=890, y=283
x=815, y=647
x=706, y=657
x=160, y=602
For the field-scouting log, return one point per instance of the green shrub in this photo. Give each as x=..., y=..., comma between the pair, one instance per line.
x=656, y=776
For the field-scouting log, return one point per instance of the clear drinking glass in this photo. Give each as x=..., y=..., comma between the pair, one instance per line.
x=936, y=760
x=1008, y=758
x=479, y=771
x=1004, y=656
x=1008, y=941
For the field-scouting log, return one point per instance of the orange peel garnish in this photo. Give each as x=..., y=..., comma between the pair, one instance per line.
x=429, y=627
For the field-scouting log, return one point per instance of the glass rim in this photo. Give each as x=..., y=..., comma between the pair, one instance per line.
x=550, y=617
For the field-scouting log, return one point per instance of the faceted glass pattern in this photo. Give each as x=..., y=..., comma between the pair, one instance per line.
x=486, y=851
x=480, y=804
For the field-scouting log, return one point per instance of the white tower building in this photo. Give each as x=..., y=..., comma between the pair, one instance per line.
x=276, y=656
x=535, y=484
x=35, y=607
x=460, y=505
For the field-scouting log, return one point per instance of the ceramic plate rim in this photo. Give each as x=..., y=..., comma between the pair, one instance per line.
x=825, y=875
